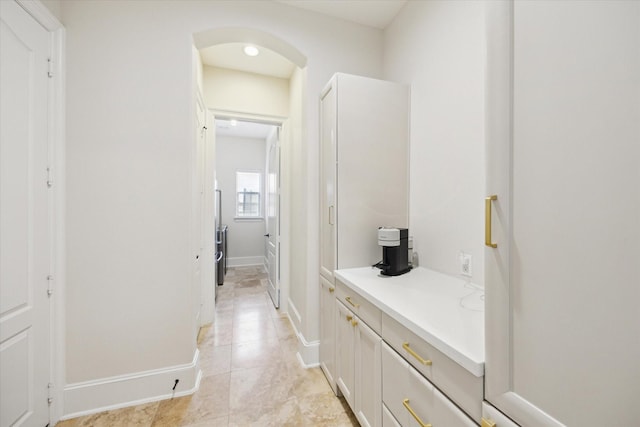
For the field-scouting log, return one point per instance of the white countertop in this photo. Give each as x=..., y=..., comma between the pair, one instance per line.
x=445, y=311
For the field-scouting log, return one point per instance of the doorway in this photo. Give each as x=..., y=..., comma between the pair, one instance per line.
x=268, y=88
x=248, y=180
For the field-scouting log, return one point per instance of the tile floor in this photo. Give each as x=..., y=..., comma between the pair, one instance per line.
x=251, y=376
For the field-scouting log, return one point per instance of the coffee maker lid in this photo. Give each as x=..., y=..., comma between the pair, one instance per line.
x=388, y=236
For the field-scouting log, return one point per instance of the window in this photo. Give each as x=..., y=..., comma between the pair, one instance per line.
x=248, y=194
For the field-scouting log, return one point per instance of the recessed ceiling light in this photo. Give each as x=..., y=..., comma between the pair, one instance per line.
x=251, y=50
x=233, y=122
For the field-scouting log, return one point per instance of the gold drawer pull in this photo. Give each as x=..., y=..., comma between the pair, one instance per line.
x=405, y=402
x=331, y=290
x=487, y=221
x=426, y=362
x=348, y=299
x=349, y=317
x=354, y=322
x=487, y=423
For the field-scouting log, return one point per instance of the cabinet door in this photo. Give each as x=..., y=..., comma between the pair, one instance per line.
x=328, y=331
x=328, y=182
x=345, y=353
x=368, y=376
x=563, y=104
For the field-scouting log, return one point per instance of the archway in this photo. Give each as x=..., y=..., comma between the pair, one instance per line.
x=246, y=35
x=293, y=122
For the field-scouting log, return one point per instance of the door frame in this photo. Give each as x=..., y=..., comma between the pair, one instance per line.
x=56, y=145
x=284, y=228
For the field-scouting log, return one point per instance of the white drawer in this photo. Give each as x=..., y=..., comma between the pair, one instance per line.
x=395, y=383
x=492, y=414
x=367, y=312
x=411, y=397
x=460, y=385
x=388, y=420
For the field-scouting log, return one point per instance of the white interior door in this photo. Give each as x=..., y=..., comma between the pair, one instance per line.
x=272, y=216
x=563, y=129
x=209, y=285
x=24, y=219
x=198, y=206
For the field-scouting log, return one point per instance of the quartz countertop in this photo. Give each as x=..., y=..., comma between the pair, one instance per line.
x=445, y=311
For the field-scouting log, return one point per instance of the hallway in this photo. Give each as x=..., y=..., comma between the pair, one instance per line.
x=250, y=374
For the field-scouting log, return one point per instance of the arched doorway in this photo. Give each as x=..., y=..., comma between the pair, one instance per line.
x=250, y=104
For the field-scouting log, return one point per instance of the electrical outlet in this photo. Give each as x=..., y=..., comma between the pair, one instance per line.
x=465, y=264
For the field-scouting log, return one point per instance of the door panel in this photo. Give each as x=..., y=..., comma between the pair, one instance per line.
x=198, y=206
x=345, y=353
x=209, y=285
x=24, y=219
x=564, y=162
x=328, y=331
x=328, y=185
x=272, y=215
x=368, y=376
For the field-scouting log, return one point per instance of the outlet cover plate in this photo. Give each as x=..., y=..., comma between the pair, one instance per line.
x=465, y=265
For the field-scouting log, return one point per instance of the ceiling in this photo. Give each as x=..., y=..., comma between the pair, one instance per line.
x=373, y=13
x=231, y=56
x=242, y=129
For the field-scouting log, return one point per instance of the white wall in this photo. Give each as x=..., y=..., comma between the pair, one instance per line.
x=238, y=91
x=439, y=48
x=245, y=237
x=129, y=134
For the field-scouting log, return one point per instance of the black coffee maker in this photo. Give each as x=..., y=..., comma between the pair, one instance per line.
x=395, y=251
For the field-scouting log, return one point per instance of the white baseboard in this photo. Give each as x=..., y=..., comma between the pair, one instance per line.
x=297, y=319
x=305, y=364
x=245, y=261
x=105, y=394
x=308, y=351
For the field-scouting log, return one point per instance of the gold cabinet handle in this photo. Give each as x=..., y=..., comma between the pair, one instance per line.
x=405, y=402
x=487, y=221
x=487, y=423
x=349, y=317
x=331, y=290
x=420, y=359
x=354, y=322
x=348, y=299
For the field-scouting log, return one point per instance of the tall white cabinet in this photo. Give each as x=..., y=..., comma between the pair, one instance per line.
x=364, y=174
x=562, y=288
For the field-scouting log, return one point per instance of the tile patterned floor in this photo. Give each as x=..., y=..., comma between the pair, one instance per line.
x=251, y=376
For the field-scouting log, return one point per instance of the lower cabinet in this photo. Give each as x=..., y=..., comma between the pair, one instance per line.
x=345, y=353
x=412, y=400
x=389, y=376
x=327, y=331
x=359, y=366
x=368, y=376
